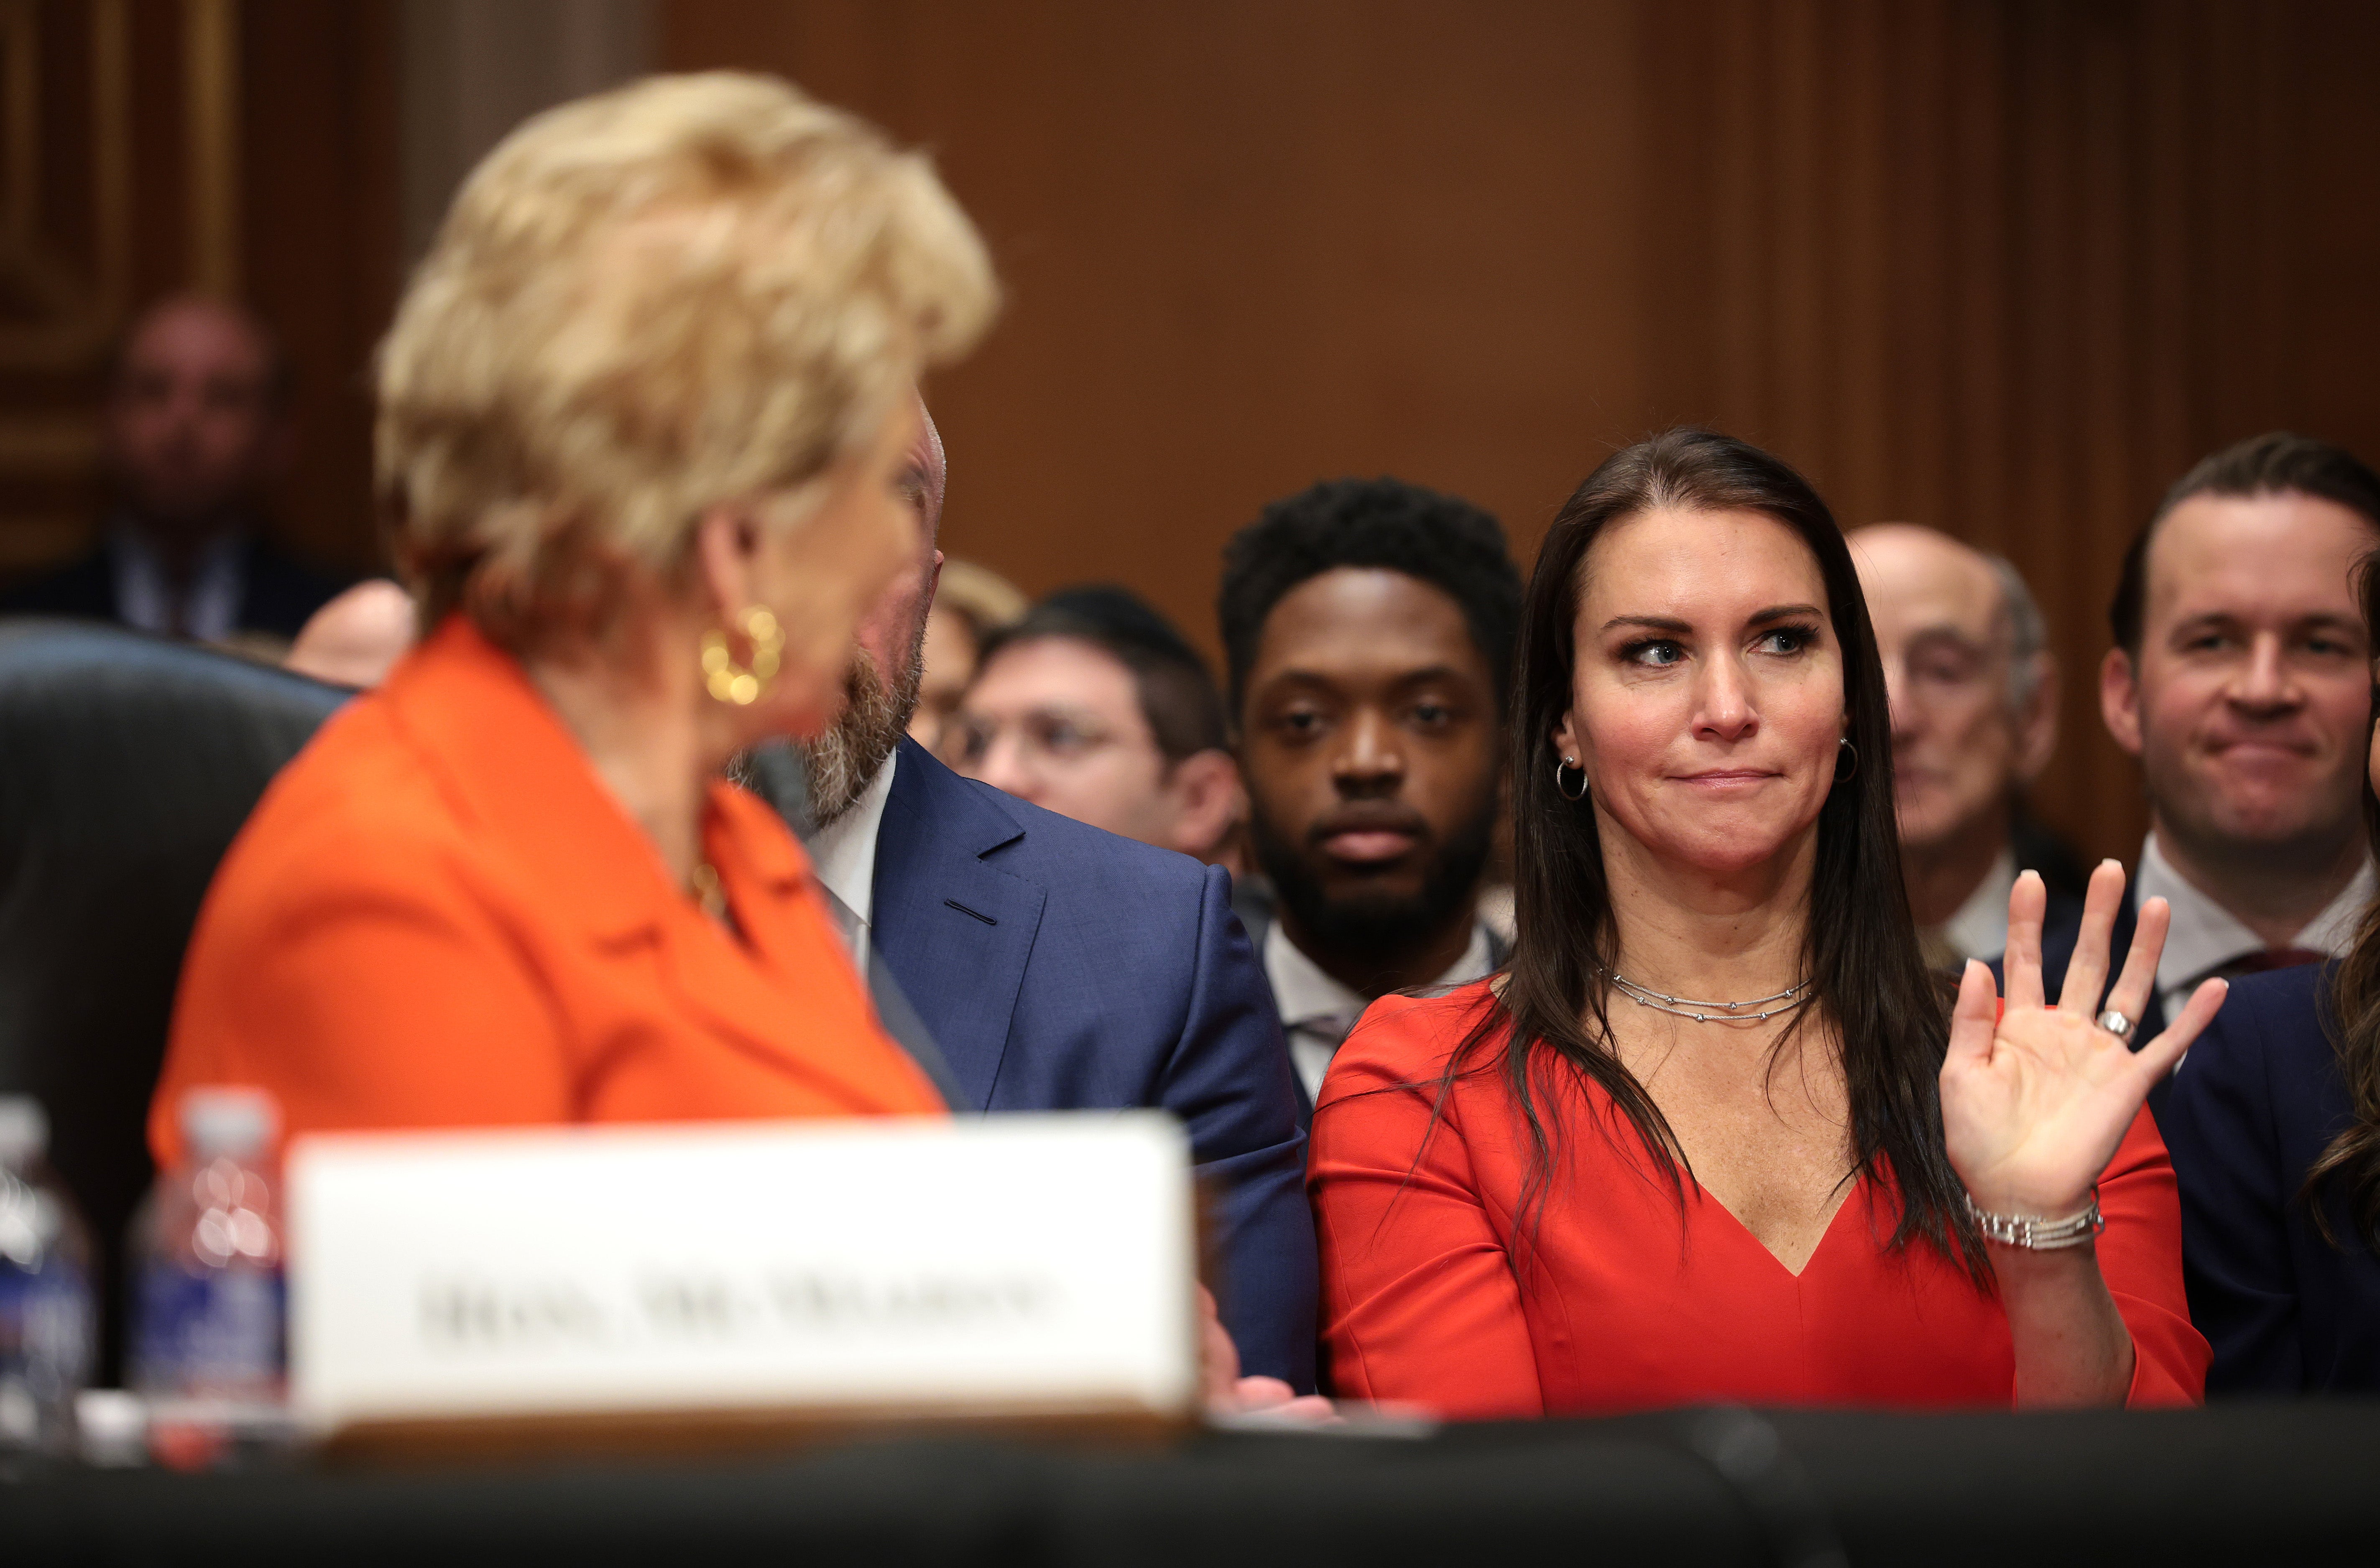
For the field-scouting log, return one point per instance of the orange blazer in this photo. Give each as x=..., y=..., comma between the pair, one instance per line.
x=1446, y=1284
x=439, y=916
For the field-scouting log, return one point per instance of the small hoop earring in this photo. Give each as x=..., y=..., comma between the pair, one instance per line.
x=1563, y=764
x=1845, y=749
x=742, y=687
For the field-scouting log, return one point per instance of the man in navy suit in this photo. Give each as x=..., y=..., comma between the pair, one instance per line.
x=1095, y=706
x=1058, y=967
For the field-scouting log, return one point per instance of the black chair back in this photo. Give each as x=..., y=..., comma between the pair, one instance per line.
x=127, y=765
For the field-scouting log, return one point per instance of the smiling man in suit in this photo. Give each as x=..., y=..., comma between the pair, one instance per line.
x=2242, y=679
x=1058, y=967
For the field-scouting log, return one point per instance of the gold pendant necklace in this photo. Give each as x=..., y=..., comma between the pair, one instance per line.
x=708, y=894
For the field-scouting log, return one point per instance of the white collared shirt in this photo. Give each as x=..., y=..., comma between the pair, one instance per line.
x=144, y=595
x=1316, y=1009
x=844, y=854
x=2205, y=937
x=1978, y=929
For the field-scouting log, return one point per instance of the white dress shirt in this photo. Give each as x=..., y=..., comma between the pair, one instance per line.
x=1978, y=929
x=844, y=854
x=1317, y=1011
x=2206, y=937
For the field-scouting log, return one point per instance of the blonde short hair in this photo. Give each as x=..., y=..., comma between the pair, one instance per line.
x=690, y=291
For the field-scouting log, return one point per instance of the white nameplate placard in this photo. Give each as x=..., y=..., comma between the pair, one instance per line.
x=1022, y=1264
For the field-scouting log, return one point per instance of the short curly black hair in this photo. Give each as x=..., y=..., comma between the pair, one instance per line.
x=1444, y=541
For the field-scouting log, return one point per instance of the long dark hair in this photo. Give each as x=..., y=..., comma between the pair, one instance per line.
x=1868, y=975
x=2351, y=1163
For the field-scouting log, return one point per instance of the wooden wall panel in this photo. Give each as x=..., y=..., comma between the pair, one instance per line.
x=93, y=127
x=1248, y=245
x=2002, y=266
x=2005, y=266
x=151, y=146
x=2075, y=248
x=320, y=235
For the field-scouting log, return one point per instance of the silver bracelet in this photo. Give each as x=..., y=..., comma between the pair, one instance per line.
x=2040, y=1236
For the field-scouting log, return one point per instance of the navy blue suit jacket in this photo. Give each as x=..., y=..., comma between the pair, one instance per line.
x=1062, y=968
x=278, y=594
x=2256, y=1101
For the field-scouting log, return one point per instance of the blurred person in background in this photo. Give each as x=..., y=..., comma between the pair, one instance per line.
x=1718, y=1133
x=1975, y=720
x=2242, y=679
x=644, y=414
x=971, y=604
x=195, y=427
x=2274, y=1126
x=356, y=638
x=1060, y=968
x=1095, y=707
x=1368, y=626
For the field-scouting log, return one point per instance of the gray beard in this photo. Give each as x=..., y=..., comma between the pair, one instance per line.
x=839, y=764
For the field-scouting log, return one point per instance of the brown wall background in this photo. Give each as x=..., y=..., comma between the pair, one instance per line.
x=320, y=218
x=1999, y=266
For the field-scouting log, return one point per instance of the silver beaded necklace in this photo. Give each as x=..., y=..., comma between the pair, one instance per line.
x=1717, y=1012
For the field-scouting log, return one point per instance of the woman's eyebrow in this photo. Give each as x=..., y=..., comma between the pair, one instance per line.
x=1670, y=623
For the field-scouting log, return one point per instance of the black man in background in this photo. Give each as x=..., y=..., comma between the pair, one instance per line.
x=1368, y=627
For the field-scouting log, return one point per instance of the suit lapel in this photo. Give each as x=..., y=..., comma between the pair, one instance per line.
x=954, y=931
x=902, y=1022
x=1252, y=901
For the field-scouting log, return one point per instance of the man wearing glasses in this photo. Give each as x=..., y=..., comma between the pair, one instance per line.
x=1095, y=708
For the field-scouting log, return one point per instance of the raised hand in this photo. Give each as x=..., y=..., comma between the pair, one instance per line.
x=2035, y=1100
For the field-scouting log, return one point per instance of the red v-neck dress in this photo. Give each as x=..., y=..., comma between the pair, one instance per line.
x=1435, y=1293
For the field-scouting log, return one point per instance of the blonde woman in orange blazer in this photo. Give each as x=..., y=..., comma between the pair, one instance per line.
x=644, y=415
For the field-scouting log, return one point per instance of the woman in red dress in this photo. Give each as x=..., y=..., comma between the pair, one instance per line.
x=1718, y=1134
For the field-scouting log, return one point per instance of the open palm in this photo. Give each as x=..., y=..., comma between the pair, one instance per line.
x=2036, y=1097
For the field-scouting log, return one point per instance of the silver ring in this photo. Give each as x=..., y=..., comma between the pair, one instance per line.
x=2117, y=1024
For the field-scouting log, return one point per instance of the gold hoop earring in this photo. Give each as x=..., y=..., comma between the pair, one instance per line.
x=743, y=687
